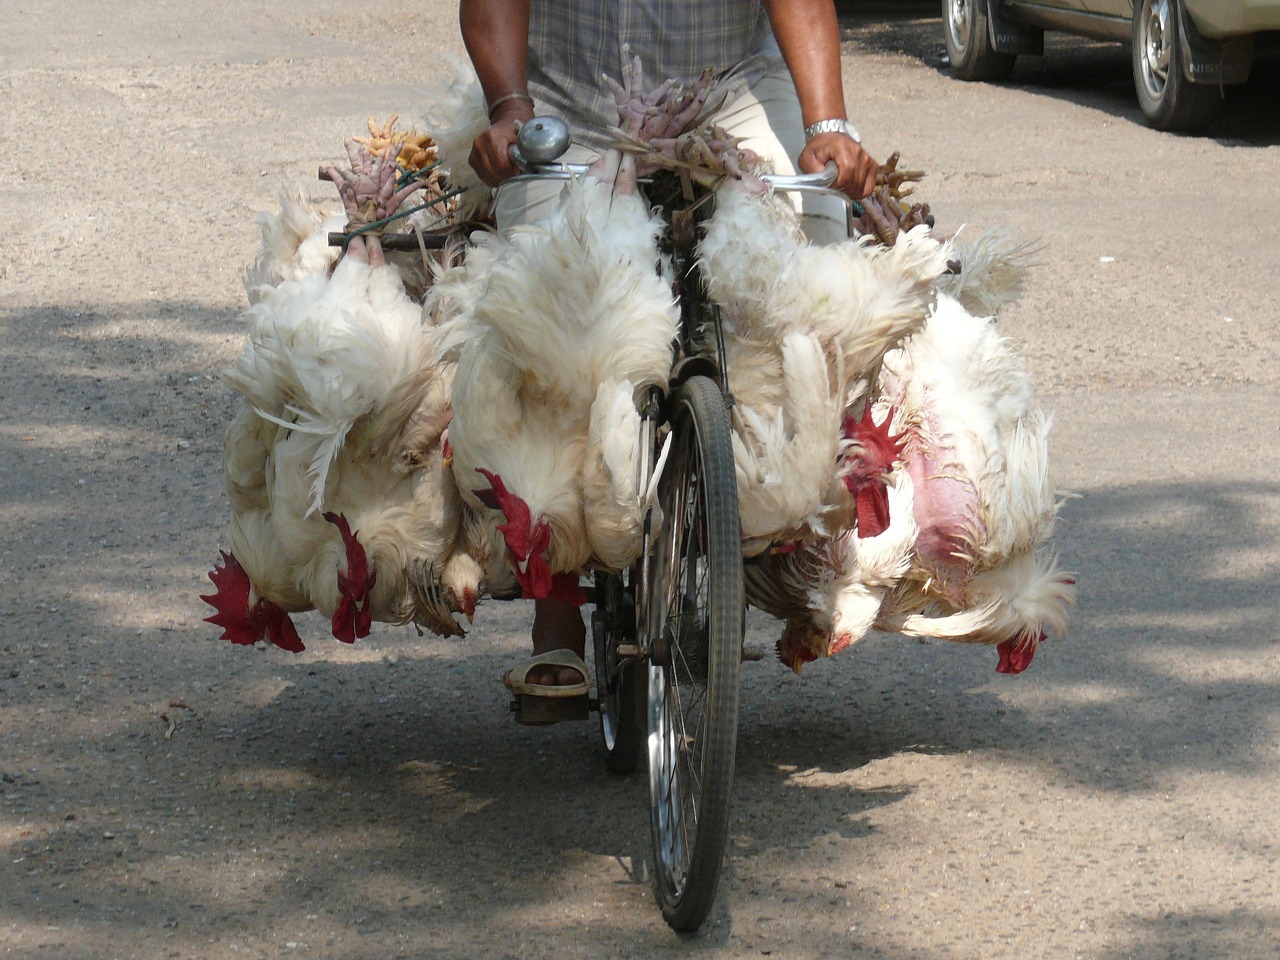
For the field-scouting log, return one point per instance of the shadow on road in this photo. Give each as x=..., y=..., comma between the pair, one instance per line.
x=435, y=810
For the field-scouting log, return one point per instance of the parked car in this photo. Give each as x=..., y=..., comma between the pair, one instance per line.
x=1184, y=51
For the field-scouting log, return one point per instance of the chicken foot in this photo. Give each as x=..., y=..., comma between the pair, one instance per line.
x=884, y=213
x=666, y=129
x=370, y=193
x=665, y=112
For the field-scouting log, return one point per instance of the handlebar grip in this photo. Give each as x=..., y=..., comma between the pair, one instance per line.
x=823, y=178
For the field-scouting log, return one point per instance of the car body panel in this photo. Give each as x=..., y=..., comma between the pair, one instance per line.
x=1227, y=18
x=1180, y=66
x=1213, y=18
x=1111, y=8
x=1068, y=19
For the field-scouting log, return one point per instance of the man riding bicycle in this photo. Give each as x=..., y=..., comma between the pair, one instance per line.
x=779, y=59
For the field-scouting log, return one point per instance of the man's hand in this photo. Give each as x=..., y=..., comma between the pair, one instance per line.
x=857, y=168
x=491, y=152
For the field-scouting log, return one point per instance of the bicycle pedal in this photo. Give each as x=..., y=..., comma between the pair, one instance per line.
x=538, y=711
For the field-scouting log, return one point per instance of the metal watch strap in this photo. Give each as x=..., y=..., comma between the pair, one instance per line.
x=833, y=126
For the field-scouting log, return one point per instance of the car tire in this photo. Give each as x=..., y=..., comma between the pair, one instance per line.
x=1168, y=99
x=966, y=29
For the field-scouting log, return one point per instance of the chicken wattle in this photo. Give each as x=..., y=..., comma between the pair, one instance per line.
x=1016, y=654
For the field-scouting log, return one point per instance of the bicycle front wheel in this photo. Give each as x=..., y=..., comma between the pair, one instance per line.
x=696, y=625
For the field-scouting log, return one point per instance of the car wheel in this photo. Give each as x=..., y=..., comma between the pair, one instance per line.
x=967, y=32
x=1168, y=99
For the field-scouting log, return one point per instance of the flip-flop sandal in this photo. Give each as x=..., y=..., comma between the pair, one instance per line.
x=516, y=679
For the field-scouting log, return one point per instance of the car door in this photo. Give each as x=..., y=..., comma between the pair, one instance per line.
x=1111, y=8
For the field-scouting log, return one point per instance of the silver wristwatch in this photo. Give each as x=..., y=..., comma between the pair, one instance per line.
x=833, y=126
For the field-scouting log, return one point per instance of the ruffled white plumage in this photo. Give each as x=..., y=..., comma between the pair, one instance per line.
x=295, y=243
x=540, y=320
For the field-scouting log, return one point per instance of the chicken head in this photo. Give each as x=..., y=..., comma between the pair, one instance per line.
x=353, y=616
x=243, y=622
x=868, y=463
x=528, y=540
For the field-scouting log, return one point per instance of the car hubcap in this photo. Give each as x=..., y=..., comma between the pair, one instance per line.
x=958, y=23
x=1157, y=45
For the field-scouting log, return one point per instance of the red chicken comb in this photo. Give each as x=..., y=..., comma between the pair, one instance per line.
x=231, y=601
x=527, y=541
x=876, y=451
x=242, y=624
x=498, y=497
x=353, y=617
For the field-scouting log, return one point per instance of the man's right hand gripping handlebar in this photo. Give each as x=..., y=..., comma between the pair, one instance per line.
x=857, y=168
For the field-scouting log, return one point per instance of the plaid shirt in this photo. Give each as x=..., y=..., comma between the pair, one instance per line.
x=572, y=43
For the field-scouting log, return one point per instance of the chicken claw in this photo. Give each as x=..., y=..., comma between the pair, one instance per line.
x=885, y=215
x=369, y=194
x=667, y=129
x=664, y=112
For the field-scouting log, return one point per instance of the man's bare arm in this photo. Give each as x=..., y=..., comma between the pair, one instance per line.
x=809, y=37
x=496, y=34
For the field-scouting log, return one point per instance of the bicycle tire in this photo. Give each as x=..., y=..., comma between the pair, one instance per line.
x=696, y=634
x=620, y=689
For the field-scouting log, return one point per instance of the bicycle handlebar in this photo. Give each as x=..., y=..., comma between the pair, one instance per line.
x=799, y=181
x=543, y=139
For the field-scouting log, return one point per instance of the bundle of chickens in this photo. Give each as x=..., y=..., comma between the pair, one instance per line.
x=336, y=467
x=414, y=439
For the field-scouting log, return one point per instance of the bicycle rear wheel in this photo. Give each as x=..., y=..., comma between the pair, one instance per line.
x=620, y=680
x=696, y=625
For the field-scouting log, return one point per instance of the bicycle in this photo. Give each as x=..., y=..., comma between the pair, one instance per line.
x=667, y=634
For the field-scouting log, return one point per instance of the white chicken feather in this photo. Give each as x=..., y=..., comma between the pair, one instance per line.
x=295, y=242
x=612, y=502
x=454, y=114
x=977, y=454
x=829, y=592
x=858, y=299
x=853, y=301
x=786, y=452
x=325, y=351
x=539, y=320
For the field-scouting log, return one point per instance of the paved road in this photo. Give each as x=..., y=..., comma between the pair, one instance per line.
x=902, y=801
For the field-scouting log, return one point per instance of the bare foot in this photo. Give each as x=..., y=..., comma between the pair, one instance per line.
x=557, y=625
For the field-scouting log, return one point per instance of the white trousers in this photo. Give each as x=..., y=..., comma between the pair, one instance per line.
x=768, y=120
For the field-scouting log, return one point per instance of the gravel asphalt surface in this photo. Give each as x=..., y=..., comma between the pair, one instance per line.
x=166, y=795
